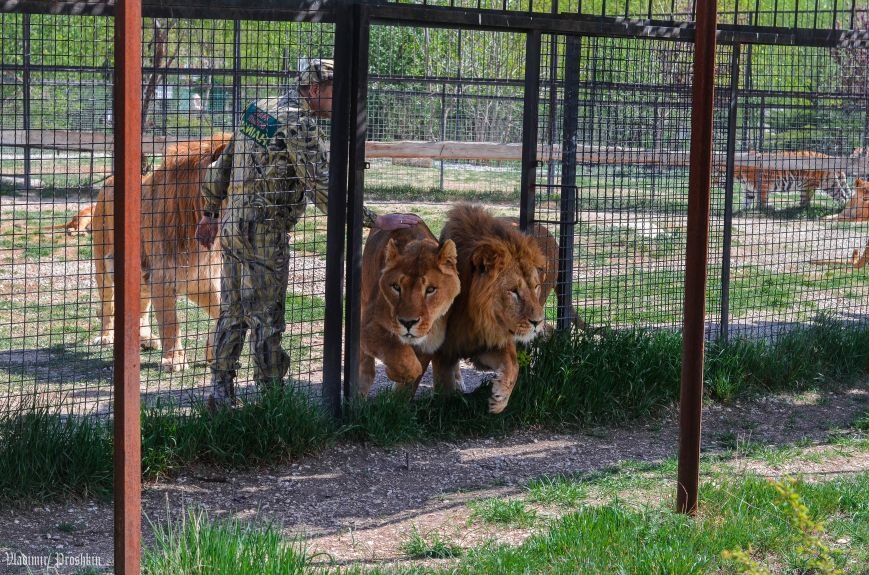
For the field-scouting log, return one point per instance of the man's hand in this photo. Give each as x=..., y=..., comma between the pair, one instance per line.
x=389, y=222
x=206, y=230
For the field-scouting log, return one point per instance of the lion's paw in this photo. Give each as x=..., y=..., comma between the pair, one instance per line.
x=104, y=339
x=500, y=396
x=498, y=402
x=148, y=340
x=174, y=363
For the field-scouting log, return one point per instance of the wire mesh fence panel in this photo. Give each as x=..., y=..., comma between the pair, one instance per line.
x=445, y=119
x=244, y=145
x=56, y=206
x=48, y=169
x=782, y=14
x=631, y=107
x=797, y=222
x=445, y=109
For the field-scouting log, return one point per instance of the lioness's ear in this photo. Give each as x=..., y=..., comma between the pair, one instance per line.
x=859, y=182
x=489, y=257
x=448, y=256
x=391, y=252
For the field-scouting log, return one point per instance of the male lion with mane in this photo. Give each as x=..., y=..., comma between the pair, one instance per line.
x=173, y=262
x=409, y=282
x=502, y=272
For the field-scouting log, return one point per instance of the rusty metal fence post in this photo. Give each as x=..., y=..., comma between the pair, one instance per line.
x=128, y=182
x=694, y=320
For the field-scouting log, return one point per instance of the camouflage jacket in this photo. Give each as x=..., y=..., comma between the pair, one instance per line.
x=275, y=163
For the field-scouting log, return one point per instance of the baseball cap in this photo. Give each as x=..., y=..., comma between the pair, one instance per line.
x=316, y=72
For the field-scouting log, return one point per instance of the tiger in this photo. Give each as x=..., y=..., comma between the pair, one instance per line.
x=764, y=181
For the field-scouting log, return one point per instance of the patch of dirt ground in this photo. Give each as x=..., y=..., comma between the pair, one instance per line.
x=357, y=503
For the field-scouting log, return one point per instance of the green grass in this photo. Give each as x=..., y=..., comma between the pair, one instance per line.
x=304, y=308
x=75, y=453
x=496, y=510
x=428, y=546
x=283, y=424
x=573, y=381
x=861, y=423
x=412, y=193
x=557, y=490
x=309, y=235
x=43, y=454
x=613, y=536
x=200, y=546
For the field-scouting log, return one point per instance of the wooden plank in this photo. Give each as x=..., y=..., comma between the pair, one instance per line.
x=67, y=140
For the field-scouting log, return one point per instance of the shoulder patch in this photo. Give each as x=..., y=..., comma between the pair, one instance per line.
x=259, y=125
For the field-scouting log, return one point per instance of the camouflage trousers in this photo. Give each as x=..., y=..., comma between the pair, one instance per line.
x=253, y=293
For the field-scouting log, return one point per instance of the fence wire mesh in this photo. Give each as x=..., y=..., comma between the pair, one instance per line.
x=445, y=124
x=56, y=230
x=805, y=14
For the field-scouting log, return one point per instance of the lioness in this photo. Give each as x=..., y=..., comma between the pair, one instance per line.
x=409, y=283
x=500, y=270
x=79, y=224
x=173, y=262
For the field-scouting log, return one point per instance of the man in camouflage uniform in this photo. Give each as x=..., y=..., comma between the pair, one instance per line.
x=275, y=161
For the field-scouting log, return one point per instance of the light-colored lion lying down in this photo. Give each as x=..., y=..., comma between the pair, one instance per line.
x=173, y=263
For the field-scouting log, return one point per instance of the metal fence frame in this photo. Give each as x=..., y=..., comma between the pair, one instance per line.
x=347, y=167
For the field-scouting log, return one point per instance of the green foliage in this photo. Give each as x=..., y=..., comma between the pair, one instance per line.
x=572, y=380
x=811, y=549
x=496, y=510
x=611, y=537
x=556, y=490
x=44, y=453
x=826, y=351
x=429, y=546
x=200, y=546
x=283, y=423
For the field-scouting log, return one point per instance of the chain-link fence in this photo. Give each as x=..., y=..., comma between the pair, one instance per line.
x=445, y=123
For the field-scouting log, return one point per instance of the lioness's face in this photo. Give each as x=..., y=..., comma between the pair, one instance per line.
x=420, y=284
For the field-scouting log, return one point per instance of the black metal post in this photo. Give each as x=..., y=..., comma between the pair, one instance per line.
x=728, y=194
x=553, y=99
x=553, y=107
x=459, y=90
x=749, y=84
x=529, y=128
x=336, y=216
x=656, y=144
x=26, y=81
x=236, y=72
x=443, y=128
x=760, y=124
x=564, y=285
x=356, y=189
x=865, y=138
